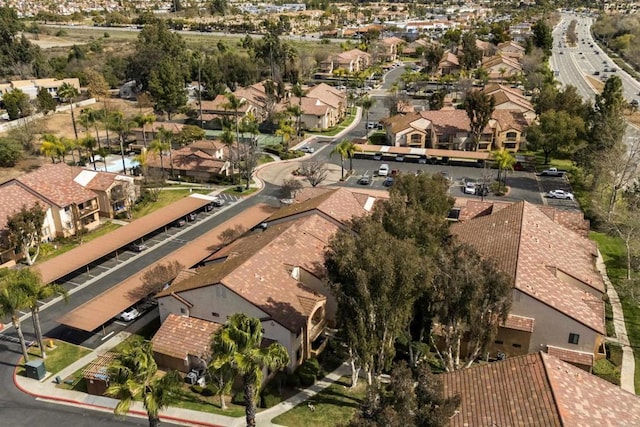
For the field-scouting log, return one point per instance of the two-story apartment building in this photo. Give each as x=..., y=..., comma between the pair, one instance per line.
x=351, y=61
x=31, y=87
x=450, y=130
x=322, y=107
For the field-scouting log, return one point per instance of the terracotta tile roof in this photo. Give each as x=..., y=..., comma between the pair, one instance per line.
x=218, y=105
x=586, y=400
x=510, y=119
x=538, y=390
x=513, y=392
x=571, y=356
x=312, y=106
x=510, y=44
x=327, y=94
x=257, y=267
x=519, y=323
x=448, y=121
x=498, y=60
x=389, y=41
x=55, y=183
x=186, y=159
x=340, y=204
x=94, y=180
x=450, y=58
x=156, y=126
x=13, y=195
x=525, y=242
x=180, y=336
x=572, y=220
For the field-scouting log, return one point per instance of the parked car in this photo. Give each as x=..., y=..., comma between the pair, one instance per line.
x=307, y=149
x=560, y=194
x=388, y=182
x=364, y=180
x=192, y=216
x=372, y=125
x=128, y=315
x=138, y=247
x=377, y=156
x=383, y=170
x=469, y=186
x=217, y=201
x=180, y=222
x=552, y=172
x=482, y=190
x=399, y=158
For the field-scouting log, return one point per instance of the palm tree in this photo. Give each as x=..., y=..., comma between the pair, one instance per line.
x=122, y=126
x=90, y=117
x=285, y=130
x=143, y=120
x=237, y=346
x=89, y=143
x=68, y=93
x=12, y=300
x=133, y=376
x=366, y=103
x=30, y=283
x=505, y=162
x=296, y=111
x=234, y=103
x=143, y=160
x=299, y=93
x=160, y=147
x=341, y=150
x=350, y=149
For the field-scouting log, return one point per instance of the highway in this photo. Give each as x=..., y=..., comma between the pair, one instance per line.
x=574, y=63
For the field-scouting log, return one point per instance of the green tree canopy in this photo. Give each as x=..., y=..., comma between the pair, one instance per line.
x=557, y=131
x=17, y=104
x=10, y=152
x=479, y=107
x=25, y=231
x=45, y=102
x=167, y=87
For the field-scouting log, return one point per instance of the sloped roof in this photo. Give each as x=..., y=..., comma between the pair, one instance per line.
x=181, y=336
x=448, y=121
x=55, y=182
x=527, y=245
x=340, y=204
x=510, y=119
x=450, y=58
x=327, y=94
x=13, y=195
x=538, y=390
x=186, y=159
x=94, y=180
x=497, y=60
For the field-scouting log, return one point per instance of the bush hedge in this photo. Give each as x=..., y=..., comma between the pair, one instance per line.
x=238, y=398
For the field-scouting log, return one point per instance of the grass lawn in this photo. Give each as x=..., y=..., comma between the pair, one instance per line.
x=265, y=159
x=62, y=355
x=334, y=405
x=613, y=252
x=50, y=250
x=211, y=404
x=339, y=127
x=165, y=197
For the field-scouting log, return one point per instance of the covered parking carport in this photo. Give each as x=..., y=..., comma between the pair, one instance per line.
x=98, y=311
x=83, y=255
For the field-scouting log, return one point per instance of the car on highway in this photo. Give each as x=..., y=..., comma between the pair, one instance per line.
x=138, y=247
x=560, y=194
x=307, y=149
x=364, y=180
x=383, y=170
x=128, y=315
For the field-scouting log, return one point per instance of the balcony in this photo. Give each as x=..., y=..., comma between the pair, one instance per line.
x=88, y=209
x=317, y=329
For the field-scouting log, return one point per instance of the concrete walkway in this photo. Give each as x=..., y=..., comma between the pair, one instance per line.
x=46, y=390
x=627, y=371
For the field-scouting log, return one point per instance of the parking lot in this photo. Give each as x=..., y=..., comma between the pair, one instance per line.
x=523, y=185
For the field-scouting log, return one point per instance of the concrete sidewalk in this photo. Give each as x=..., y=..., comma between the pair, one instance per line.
x=627, y=371
x=46, y=390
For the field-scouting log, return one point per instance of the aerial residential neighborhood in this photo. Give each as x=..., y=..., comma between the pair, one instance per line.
x=220, y=213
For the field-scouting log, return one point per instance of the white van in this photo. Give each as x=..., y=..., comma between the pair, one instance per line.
x=383, y=170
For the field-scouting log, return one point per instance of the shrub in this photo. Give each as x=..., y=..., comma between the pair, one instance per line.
x=307, y=379
x=270, y=400
x=238, y=398
x=292, y=380
x=209, y=391
x=196, y=389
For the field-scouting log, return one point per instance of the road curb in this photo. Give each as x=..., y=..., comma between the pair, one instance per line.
x=101, y=408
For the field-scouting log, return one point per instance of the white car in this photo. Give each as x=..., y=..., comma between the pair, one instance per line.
x=128, y=315
x=307, y=149
x=469, y=186
x=559, y=194
x=383, y=170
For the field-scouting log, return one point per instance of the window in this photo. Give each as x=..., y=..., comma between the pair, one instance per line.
x=574, y=338
x=214, y=314
x=499, y=342
x=511, y=135
x=516, y=345
x=183, y=310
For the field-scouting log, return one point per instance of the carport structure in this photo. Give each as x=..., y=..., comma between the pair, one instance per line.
x=98, y=311
x=423, y=152
x=87, y=253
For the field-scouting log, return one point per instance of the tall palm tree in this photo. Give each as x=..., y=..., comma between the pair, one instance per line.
x=88, y=118
x=237, y=346
x=12, y=300
x=30, y=283
x=286, y=131
x=299, y=93
x=89, y=143
x=505, y=162
x=122, y=126
x=133, y=376
x=235, y=104
x=166, y=136
x=160, y=147
x=341, y=150
x=68, y=93
x=350, y=149
x=366, y=103
x=143, y=120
